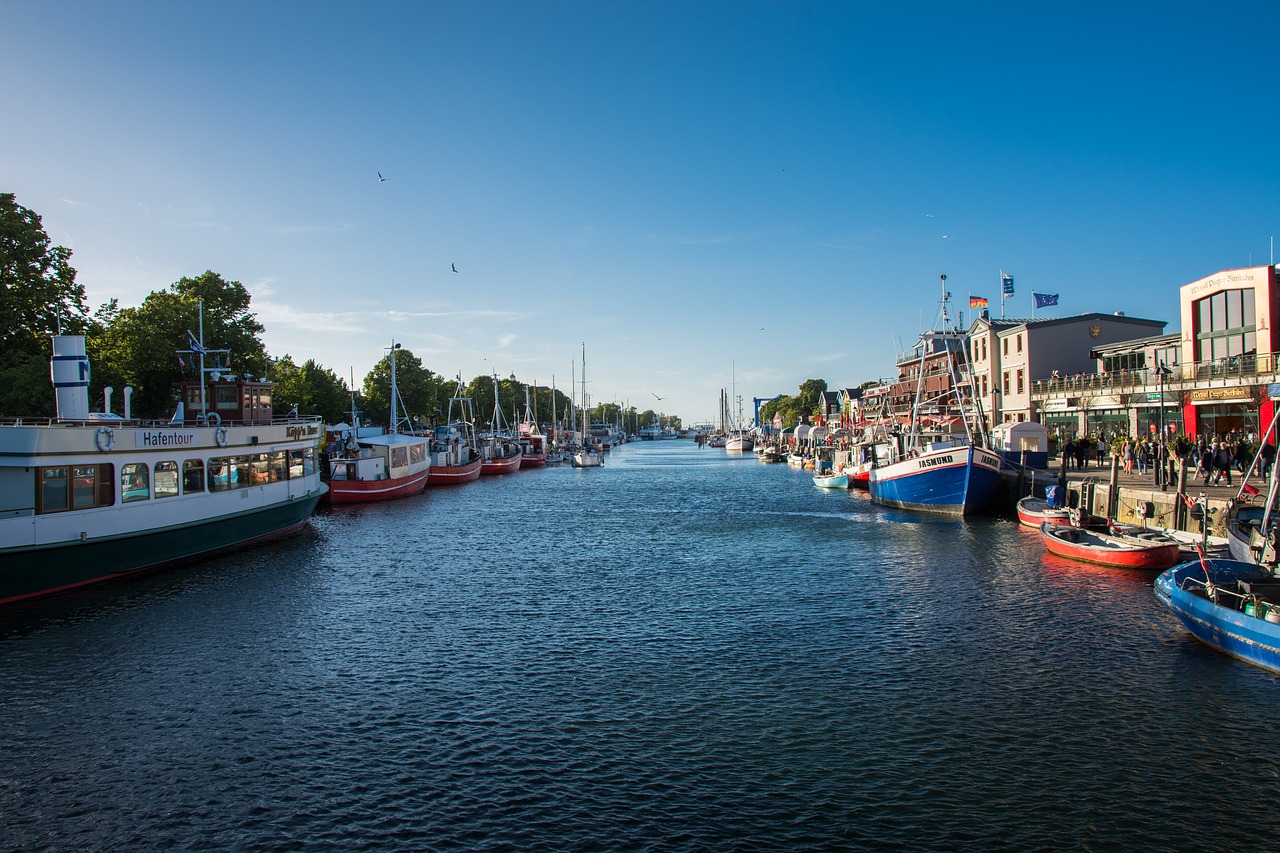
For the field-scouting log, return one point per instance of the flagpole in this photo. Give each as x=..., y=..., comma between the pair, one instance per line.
x=204, y=400
x=1002, y=294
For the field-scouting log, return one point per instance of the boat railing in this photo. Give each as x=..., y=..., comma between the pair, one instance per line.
x=1245, y=600
x=156, y=423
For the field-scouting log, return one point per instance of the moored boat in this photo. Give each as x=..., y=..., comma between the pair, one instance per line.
x=831, y=481
x=1091, y=546
x=454, y=457
x=1033, y=512
x=92, y=497
x=1231, y=605
x=379, y=467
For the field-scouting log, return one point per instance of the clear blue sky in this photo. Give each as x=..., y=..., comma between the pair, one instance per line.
x=683, y=186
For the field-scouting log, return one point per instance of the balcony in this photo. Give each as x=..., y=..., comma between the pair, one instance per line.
x=1243, y=370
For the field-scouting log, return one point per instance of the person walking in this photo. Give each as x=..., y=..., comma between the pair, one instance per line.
x=1144, y=456
x=1128, y=455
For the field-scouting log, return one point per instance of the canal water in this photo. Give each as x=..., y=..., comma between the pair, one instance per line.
x=679, y=651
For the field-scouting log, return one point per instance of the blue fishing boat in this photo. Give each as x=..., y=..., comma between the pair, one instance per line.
x=1231, y=605
x=940, y=464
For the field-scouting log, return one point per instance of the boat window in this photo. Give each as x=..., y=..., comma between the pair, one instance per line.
x=417, y=452
x=399, y=457
x=241, y=472
x=135, y=482
x=295, y=464
x=54, y=489
x=280, y=465
x=262, y=469
x=166, y=474
x=308, y=461
x=219, y=474
x=192, y=476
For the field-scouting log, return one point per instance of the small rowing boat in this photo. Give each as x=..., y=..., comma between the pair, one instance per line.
x=1126, y=552
x=1034, y=512
x=831, y=481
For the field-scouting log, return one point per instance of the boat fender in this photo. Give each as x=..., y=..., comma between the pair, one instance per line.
x=214, y=419
x=220, y=435
x=106, y=438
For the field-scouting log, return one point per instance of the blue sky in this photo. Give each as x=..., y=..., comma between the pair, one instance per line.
x=688, y=188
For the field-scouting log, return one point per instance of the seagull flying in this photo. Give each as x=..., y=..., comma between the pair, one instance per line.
x=454, y=267
x=380, y=178
x=660, y=398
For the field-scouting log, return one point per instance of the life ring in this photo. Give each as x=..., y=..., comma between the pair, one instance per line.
x=106, y=438
x=214, y=419
x=220, y=436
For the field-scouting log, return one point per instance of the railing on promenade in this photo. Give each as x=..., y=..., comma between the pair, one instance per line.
x=1222, y=372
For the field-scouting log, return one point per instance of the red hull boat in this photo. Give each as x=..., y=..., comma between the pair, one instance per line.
x=1033, y=512
x=1126, y=552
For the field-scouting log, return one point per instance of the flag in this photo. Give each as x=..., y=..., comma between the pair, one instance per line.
x=1249, y=490
x=181, y=362
x=1006, y=284
x=977, y=302
x=193, y=344
x=1045, y=299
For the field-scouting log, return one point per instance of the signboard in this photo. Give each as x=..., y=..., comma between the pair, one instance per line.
x=1218, y=395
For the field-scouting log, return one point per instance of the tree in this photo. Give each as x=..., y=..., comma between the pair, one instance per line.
x=313, y=388
x=38, y=296
x=811, y=391
x=140, y=345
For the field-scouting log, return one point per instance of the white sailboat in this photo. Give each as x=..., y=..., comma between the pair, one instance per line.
x=586, y=455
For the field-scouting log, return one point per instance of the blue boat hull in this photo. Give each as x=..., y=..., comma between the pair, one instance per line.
x=1245, y=637
x=954, y=481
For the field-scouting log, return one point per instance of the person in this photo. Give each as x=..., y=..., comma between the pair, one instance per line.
x=1128, y=456
x=1144, y=456
x=1082, y=453
x=352, y=447
x=1242, y=459
x=1222, y=463
x=1268, y=456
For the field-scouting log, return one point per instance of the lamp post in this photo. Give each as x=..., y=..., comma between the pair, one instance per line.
x=1161, y=453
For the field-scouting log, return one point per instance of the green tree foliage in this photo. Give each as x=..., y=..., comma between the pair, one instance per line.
x=792, y=409
x=810, y=393
x=38, y=291
x=313, y=388
x=139, y=346
x=425, y=395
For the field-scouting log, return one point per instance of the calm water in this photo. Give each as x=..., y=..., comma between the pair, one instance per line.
x=678, y=651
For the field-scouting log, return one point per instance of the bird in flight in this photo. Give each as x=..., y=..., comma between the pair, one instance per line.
x=660, y=398
x=380, y=178
x=454, y=267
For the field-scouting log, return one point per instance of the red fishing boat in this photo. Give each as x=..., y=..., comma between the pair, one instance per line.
x=454, y=456
x=1126, y=552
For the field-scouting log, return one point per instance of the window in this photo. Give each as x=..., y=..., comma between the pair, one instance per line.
x=261, y=469
x=984, y=348
x=1225, y=325
x=1006, y=346
x=1020, y=380
x=1019, y=343
x=135, y=482
x=225, y=398
x=1006, y=381
x=192, y=476
x=219, y=475
x=166, y=479
x=64, y=487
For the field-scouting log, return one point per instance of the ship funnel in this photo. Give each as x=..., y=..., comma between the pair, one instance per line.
x=106, y=399
x=69, y=369
x=128, y=402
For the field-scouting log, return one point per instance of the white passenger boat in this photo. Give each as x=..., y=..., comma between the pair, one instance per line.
x=85, y=497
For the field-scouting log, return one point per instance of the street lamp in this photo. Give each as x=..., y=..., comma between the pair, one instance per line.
x=1162, y=371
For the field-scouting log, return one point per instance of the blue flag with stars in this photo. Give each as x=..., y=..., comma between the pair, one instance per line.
x=1043, y=300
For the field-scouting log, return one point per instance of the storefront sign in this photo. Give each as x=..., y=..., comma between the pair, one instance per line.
x=1217, y=395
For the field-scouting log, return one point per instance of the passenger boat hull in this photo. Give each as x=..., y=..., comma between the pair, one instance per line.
x=1220, y=623
x=34, y=571
x=1117, y=551
x=952, y=481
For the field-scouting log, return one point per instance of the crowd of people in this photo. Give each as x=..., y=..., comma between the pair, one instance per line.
x=1211, y=459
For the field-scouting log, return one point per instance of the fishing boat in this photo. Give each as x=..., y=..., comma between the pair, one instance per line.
x=379, y=467
x=499, y=452
x=533, y=444
x=454, y=457
x=1033, y=512
x=1091, y=546
x=1231, y=605
x=831, y=481
x=93, y=496
x=944, y=473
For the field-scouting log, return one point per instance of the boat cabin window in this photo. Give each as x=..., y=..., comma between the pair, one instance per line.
x=219, y=475
x=302, y=463
x=417, y=452
x=261, y=469
x=166, y=474
x=280, y=465
x=399, y=457
x=135, y=482
x=192, y=476
x=74, y=487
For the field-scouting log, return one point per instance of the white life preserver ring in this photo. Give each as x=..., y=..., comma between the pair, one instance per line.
x=106, y=438
x=214, y=419
x=220, y=436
